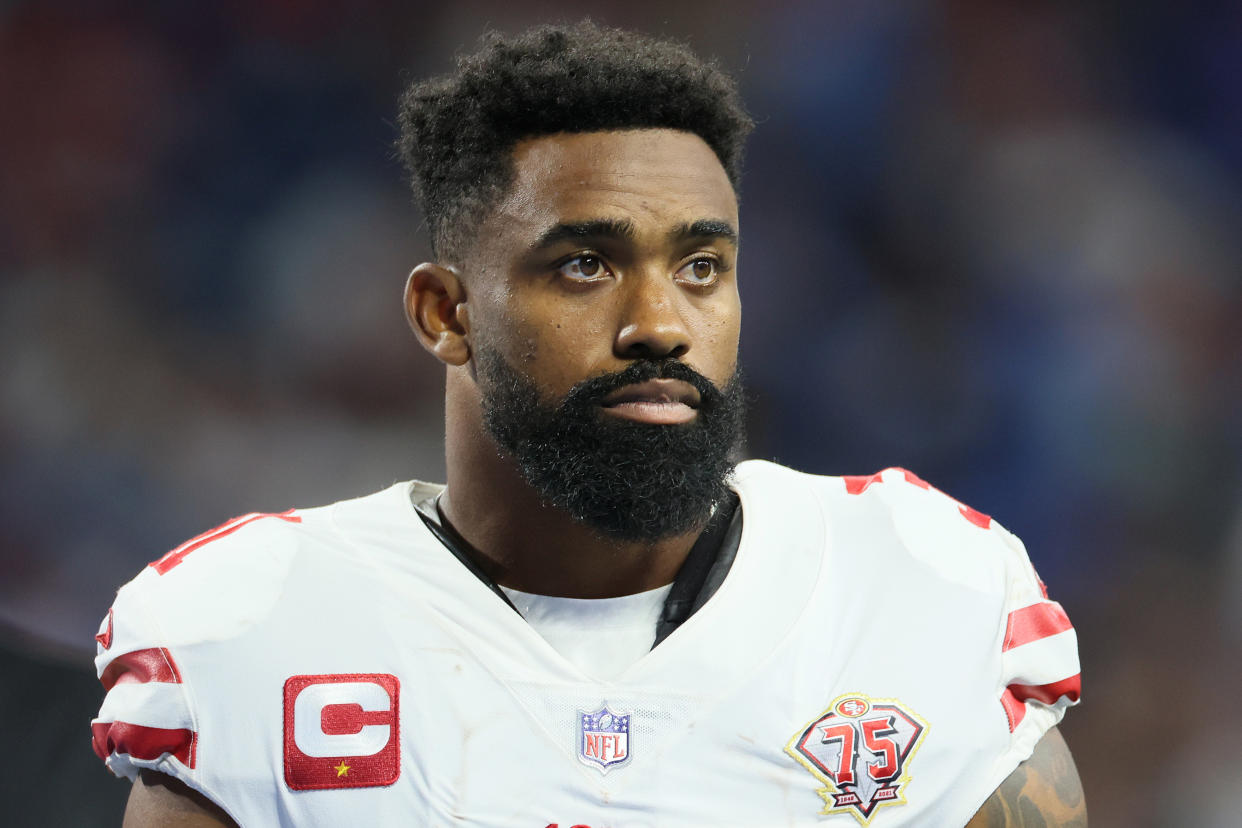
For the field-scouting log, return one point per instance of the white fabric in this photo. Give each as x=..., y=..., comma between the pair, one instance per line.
x=162, y=705
x=887, y=593
x=1044, y=661
x=602, y=636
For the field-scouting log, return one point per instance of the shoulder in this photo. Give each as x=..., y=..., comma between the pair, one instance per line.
x=157, y=655
x=207, y=586
x=218, y=582
x=958, y=568
x=894, y=488
x=952, y=539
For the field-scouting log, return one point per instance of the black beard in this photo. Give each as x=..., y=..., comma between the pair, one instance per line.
x=629, y=481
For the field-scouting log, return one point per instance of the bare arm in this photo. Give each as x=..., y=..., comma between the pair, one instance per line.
x=1042, y=792
x=160, y=801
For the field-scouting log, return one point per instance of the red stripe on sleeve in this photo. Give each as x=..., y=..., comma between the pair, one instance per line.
x=146, y=743
x=1015, y=710
x=1033, y=623
x=1071, y=688
x=154, y=664
x=177, y=555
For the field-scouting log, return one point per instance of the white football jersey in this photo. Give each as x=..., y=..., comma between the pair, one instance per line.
x=878, y=653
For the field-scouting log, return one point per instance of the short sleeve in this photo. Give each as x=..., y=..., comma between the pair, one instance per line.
x=146, y=721
x=1040, y=675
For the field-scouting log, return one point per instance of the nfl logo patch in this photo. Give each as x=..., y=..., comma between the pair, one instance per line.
x=603, y=738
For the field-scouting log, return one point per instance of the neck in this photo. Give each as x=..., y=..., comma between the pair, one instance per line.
x=526, y=544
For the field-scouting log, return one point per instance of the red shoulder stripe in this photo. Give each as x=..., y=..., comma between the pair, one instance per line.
x=1071, y=688
x=141, y=666
x=141, y=742
x=177, y=555
x=1033, y=623
x=858, y=483
x=915, y=480
x=974, y=516
x=1014, y=697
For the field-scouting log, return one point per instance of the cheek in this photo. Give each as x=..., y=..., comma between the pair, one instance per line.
x=500, y=323
x=561, y=326
x=525, y=347
x=718, y=340
x=555, y=351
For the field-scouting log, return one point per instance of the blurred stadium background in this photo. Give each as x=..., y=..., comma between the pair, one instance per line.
x=996, y=242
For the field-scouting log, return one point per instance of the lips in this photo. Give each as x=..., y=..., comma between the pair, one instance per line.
x=656, y=401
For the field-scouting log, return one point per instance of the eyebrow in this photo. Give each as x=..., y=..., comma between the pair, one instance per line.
x=624, y=229
x=590, y=229
x=706, y=228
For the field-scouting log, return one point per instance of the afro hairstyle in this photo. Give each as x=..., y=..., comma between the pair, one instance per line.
x=458, y=131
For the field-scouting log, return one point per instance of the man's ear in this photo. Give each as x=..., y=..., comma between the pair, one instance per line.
x=435, y=305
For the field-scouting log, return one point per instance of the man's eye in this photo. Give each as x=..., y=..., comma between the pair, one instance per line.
x=701, y=271
x=583, y=268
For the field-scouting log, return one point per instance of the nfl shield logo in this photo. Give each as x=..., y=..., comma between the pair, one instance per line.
x=603, y=738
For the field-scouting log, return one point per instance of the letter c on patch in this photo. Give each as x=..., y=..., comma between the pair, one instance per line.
x=308, y=709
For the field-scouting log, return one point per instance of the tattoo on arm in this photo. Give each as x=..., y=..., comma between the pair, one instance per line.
x=1042, y=792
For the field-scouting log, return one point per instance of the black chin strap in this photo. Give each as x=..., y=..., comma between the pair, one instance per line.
x=698, y=579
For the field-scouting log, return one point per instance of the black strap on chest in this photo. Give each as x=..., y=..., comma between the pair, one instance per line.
x=700, y=575
x=459, y=546
x=704, y=568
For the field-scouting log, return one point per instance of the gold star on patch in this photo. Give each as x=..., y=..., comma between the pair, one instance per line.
x=341, y=769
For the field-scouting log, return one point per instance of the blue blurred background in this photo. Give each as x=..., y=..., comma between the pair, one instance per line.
x=994, y=242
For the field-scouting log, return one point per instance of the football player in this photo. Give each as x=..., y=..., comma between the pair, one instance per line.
x=602, y=619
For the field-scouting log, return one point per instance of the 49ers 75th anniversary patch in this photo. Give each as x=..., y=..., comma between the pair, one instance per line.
x=860, y=748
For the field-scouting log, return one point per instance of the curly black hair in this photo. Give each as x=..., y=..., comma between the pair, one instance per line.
x=458, y=131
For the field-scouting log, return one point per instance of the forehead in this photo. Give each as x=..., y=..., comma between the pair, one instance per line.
x=654, y=177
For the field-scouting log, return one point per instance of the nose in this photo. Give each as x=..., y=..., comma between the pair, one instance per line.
x=652, y=325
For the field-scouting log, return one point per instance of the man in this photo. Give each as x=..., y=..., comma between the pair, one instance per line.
x=599, y=620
